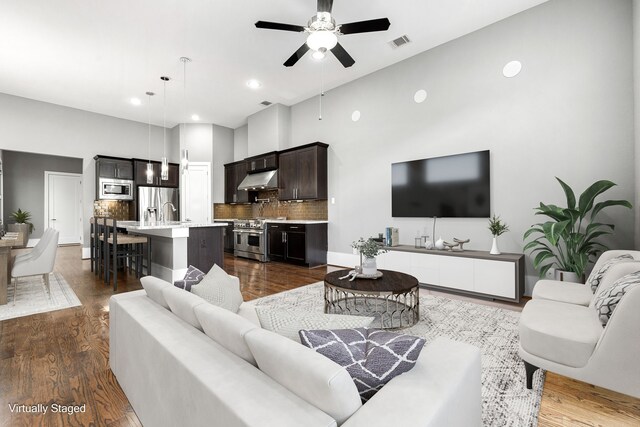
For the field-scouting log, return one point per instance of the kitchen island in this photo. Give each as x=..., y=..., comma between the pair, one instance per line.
x=176, y=245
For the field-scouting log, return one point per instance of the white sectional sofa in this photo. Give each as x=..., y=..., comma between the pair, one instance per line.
x=173, y=373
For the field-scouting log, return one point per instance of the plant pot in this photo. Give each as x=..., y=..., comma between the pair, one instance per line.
x=494, y=247
x=20, y=228
x=369, y=266
x=568, y=276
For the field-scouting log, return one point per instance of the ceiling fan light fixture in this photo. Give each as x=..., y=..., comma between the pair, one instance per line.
x=319, y=54
x=322, y=39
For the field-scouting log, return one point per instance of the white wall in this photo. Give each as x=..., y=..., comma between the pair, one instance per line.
x=269, y=130
x=39, y=127
x=223, y=147
x=636, y=79
x=241, y=143
x=568, y=114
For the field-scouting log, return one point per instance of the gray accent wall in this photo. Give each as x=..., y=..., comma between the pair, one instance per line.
x=24, y=183
x=241, y=143
x=636, y=91
x=568, y=114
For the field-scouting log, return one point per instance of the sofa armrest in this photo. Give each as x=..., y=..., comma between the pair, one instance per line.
x=443, y=389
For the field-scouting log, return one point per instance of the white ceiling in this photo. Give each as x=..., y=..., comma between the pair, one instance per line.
x=95, y=55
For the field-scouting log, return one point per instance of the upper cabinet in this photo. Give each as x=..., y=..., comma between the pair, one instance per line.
x=234, y=173
x=262, y=163
x=114, y=168
x=302, y=172
x=140, y=169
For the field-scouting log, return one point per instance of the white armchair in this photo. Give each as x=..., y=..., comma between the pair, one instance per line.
x=40, y=263
x=569, y=339
x=578, y=293
x=35, y=251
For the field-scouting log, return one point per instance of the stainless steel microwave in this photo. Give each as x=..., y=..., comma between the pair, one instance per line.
x=115, y=189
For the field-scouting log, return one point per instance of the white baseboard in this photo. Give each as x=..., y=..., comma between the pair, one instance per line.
x=86, y=253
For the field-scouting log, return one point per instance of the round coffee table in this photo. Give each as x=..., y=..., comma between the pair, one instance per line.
x=392, y=299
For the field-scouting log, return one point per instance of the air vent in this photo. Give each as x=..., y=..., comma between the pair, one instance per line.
x=400, y=41
x=266, y=103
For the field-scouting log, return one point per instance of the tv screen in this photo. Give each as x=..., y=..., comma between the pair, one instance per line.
x=452, y=186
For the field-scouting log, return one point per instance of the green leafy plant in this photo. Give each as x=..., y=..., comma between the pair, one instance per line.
x=497, y=227
x=368, y=248
x=23, y=217
x=568, y=240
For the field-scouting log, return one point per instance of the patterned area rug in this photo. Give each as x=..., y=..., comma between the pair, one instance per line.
x=32, y=297
x=505, y=398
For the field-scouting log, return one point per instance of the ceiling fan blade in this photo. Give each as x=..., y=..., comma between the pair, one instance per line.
x=296, y=56
x=343, y=56
x=381, y=24
x=279, y=26
x=325, y=5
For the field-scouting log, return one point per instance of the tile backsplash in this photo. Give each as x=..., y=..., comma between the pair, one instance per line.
x=307, y=210
x=117, y=209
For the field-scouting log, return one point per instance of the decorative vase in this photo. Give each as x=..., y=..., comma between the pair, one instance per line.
x=568, y=276
x=494, y=247
x=439, y=244
x=369, y=266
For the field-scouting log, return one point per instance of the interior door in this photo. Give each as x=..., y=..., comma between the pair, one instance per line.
x=64, y=206
x=197, y=189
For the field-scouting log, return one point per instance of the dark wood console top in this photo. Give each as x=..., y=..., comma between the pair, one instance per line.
x=509, y=257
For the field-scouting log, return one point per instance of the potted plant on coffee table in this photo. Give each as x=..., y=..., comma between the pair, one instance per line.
x=568, y=240
x=368, y=249
x=22, y=224
x=497, y=228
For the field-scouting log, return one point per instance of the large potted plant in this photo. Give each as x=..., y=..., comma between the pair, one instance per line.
x=568, y=240
x=368, y=249
x=22, y=225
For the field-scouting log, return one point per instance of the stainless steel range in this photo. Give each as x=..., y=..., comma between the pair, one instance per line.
x=250, y=239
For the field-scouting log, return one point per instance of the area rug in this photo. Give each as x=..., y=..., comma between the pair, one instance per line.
x=505, y=398
x=32, y=298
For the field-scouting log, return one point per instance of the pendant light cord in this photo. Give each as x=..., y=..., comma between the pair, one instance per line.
x=164, y=119
x=321, y=89
x=149, y=126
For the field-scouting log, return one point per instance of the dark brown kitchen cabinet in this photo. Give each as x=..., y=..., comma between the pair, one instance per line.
x=114, y=168
x=302, y=172
x=234, y=173
x=303, y=244
x=205, y=247
x=140, y=169
x=261, y=163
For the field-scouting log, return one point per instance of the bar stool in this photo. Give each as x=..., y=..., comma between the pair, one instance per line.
x=97, y=225
x=124, y=248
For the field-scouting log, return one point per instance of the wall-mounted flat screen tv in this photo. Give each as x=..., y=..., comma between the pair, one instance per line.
x=455, y=186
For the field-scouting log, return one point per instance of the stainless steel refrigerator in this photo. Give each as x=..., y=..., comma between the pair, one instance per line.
x=157, y=203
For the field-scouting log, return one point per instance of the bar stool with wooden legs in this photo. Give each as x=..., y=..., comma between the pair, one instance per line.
x=124, y=248
x=97, y=244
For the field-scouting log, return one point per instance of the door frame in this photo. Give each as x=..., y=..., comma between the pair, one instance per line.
x=47, y=174
x=183, y=191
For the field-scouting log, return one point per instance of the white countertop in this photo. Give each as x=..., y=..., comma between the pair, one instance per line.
x=296, y=221
x=136, y=225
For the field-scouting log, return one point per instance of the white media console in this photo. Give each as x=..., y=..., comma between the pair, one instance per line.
x=470, y=272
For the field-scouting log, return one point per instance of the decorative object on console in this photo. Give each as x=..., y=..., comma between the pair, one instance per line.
x=497, y=228
x=439, y=244
x=192, y=277
x=372, y=357
x=461, y=242
x=368, y=249
x=392, y=236
x=571, y=232
x=457, y=243
x=22, y=225
x=606, y=301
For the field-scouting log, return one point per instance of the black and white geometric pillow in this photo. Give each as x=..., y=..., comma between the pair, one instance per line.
x=596, y=276
x=607, y=300
x=372, y=357
x=193, y=277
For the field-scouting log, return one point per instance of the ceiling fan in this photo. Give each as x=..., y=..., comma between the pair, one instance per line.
x=323, y=34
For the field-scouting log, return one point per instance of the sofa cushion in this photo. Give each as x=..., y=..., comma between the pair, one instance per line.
x=571, y=293
x=372, y=357
x=154, y=286
x=288, y=323
x=220, y=289
x=248, y=311
x=226, y=328
x=596, y=276
x=192, y=277
x=182, y=304
x=563, y=333
x=311, y=376
x=607, y=300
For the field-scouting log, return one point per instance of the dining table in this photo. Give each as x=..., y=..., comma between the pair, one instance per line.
x=6, y=243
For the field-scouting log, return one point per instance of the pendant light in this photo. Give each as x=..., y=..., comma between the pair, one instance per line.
x=164, y=171
x=184, y=155
x=149, y=171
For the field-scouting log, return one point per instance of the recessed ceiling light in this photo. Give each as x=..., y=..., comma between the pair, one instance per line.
x=355, y=116
x=512, y=69
x=420, y=96
x=135, y=101
x=195, y=117
x=254, y=84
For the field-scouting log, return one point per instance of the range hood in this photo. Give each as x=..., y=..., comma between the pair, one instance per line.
x=260, y=181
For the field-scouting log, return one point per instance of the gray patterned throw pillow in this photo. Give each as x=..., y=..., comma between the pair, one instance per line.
x=372, y=357
x=193, y=277
x=596, y=276
x=607, y=301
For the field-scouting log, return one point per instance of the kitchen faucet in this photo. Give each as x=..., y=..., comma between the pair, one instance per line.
x=173, y=209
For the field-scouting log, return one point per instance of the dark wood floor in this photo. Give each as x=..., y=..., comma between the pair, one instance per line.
x=62, y=356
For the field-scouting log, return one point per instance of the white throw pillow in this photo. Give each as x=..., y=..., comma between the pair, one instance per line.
x=219, y=289
x=154, y=286
x=182, y=303
x=288, y=323
x=310, y=375
x=226, y=328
